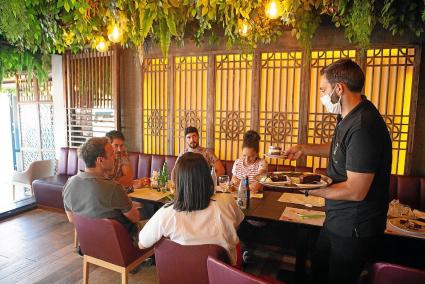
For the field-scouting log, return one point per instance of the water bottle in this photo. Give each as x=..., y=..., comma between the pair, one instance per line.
x=214, y=178
x=248, y=192
x=165, y=172
x=242, y=199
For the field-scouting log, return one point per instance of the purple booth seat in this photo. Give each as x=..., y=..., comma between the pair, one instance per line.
x=48, y=191
x=387, y=273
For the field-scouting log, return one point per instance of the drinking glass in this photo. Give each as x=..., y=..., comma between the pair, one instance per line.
x=223, y=182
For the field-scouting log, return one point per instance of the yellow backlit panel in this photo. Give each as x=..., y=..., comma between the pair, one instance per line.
x=233, y=103
x=389, y=79
x=321, y=124
x=280, y=85
x=190, y=101
x=155, y=106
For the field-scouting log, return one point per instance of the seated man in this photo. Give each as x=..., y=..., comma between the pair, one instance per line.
x=192, y=139
x=91, y=195
x=122, y=171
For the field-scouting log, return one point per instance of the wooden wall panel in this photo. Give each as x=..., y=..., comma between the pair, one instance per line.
x=280, y=100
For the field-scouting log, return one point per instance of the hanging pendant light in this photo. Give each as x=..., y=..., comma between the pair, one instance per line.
x=115, y=35
x=273, y=9
x=244, y=28
x=102, y=45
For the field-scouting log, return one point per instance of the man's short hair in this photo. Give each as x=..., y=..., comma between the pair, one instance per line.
x=190, y=129
x=92, y=149
x=115, y=134
x=345, y=71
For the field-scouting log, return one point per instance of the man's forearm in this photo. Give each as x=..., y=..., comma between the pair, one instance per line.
x=321, y=150
x=339, y=191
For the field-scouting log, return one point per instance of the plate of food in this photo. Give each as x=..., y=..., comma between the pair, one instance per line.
x=300, y=180
x=410, y=226
x=275, y=152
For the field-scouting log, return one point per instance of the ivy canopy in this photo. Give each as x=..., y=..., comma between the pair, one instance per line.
x=53, y=26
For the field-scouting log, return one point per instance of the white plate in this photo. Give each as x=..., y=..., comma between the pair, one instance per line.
x=395, y=223
x=294, y=181
x=275, y=156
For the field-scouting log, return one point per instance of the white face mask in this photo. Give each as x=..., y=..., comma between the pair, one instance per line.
x=331, y=107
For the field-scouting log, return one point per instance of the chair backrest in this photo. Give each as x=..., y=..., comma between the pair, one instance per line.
x=387, y=273
x=105, y=239
x=222, y=273
x=180, y=264
x=41, y=169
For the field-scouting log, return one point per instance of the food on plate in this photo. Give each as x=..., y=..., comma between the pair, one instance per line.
x=275, y=177
x=275, y=150
x=310, y=178
x=410, y=224
x=265, y=179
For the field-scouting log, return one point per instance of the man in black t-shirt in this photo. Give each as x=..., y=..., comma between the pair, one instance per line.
x=360, y=167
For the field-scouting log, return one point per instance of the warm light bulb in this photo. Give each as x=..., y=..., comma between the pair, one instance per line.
x=273, y=9
x=115, y=34
x=102, y=46
x=244, y=29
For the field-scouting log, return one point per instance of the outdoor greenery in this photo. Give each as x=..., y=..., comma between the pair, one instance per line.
x=53, y=26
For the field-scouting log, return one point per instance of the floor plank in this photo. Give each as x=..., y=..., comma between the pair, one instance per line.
x=37, y=247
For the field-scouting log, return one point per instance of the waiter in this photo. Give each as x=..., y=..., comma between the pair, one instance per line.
x=360, y=166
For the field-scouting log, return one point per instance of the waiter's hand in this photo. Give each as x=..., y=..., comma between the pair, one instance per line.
x=294, y=153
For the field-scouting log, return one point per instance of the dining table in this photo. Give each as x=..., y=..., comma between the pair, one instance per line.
x=282, y=207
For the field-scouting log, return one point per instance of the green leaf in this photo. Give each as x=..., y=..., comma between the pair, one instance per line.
x=164, y=38
x=66, y=6
x=146, y=22
x=171, y=25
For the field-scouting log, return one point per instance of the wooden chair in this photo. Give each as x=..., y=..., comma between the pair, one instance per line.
x=180, y=264
x=106, y=243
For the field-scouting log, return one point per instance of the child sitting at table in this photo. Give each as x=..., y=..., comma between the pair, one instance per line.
x=249, y=164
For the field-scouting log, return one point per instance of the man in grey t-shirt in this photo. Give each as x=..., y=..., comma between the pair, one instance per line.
x=90, y=194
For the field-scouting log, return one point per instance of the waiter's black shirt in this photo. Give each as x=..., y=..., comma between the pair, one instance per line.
x=361, y=144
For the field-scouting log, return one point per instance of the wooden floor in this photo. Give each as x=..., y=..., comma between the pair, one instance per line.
x=37, y=247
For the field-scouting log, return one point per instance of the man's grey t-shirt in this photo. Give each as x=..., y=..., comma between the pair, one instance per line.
x=94, y=196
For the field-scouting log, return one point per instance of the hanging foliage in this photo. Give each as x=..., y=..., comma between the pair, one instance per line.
x=53, y=26
x=12, y=62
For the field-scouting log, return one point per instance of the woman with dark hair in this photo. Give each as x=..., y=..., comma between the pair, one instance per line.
x=195, y=216
x=249, y=165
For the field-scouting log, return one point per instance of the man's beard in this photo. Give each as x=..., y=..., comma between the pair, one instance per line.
x=193, y=145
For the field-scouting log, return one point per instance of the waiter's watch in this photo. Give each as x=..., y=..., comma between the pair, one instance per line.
x=306, y=193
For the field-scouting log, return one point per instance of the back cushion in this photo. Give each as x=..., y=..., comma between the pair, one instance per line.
x=133, y=158
x=393, y=187
x=303, y=169
x=285, y=168
x=157, y=162
x=171, y=161
x=144, y=168
x=63, y=161
x=72, y=166
x=422, y=194
x=81, y=165
x=408, y=189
